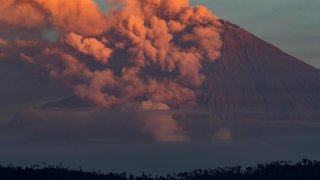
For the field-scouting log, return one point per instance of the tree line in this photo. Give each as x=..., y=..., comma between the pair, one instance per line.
x=279, y=170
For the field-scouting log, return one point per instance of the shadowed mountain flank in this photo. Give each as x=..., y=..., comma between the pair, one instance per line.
x=253, y=75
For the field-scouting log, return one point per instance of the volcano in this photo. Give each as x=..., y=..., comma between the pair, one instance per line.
x=253, y=75
x=250, y=76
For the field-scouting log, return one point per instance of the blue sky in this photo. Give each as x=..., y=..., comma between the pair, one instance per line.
x=291, y=25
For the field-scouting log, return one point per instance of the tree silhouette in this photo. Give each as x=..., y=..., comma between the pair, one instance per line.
x=279, y=170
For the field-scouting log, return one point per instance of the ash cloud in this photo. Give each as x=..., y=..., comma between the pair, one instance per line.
x=146, y=122
x=144, y=52
x=66, y=16
x=222, y=135
x=136, y=51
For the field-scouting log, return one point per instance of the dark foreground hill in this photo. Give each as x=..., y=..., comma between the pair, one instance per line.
x=281, y=170
x=253, y=75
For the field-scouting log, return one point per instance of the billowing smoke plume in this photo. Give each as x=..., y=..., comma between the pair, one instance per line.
x=139, y=50
x=79, y=16
x=147, y=52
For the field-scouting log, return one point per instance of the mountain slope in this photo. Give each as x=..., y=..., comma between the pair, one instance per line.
x=253, y=75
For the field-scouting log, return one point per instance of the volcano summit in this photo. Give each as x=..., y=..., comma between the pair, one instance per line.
x=252, y=75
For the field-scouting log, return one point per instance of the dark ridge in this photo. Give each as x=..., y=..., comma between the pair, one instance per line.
x=68, y=103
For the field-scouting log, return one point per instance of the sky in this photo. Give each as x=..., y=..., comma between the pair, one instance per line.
x=45, y=86
x=291, y=25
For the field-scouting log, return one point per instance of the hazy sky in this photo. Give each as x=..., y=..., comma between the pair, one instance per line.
x=291, y=25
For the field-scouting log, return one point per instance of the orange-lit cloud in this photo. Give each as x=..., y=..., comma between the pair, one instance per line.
x=79, y=16
x=20, y=14
x=89, y=46
x=140, y=50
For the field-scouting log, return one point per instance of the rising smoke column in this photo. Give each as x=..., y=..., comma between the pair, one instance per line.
x=137, y=51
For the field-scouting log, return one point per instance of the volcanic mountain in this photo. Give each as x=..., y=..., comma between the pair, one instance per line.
x=252, y=75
